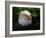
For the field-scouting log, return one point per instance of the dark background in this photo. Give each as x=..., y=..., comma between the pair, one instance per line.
x=35, y=19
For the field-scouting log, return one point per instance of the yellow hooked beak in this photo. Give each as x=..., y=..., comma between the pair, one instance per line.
x=28, y=17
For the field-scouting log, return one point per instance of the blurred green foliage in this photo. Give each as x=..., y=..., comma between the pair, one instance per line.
x=34, y=11
x=35, y=14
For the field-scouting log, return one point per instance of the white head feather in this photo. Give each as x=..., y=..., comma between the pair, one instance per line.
x=22, y=20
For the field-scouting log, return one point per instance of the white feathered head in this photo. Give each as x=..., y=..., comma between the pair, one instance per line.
x=25, y=18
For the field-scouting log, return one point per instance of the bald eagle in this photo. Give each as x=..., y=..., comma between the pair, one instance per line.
x=25, y=18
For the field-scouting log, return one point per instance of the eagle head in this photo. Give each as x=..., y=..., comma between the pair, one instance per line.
x=25, y=18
